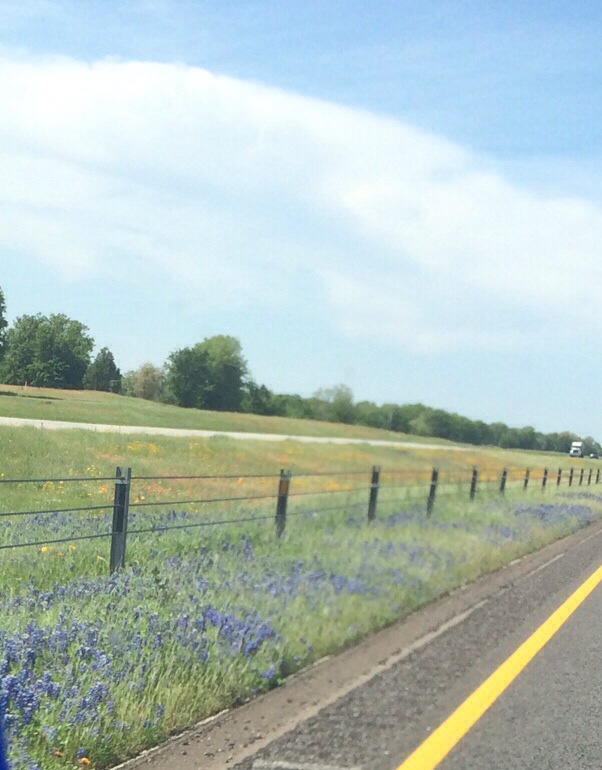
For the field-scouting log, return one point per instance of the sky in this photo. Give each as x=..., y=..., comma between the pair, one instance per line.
x=403, y=197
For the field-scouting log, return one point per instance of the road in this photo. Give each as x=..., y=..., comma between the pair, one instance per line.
x=373, y=706
x=155, y=431
x=551, y=717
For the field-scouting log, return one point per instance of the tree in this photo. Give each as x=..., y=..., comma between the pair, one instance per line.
x=393, y=418
x=433, y=422
x=51, y=351
x=103, y=374
x=563, y=441
x=257, y=399
x=484, y=432
x=209, y=375
x=292, y=405
x=147, y=381
x=337, y=404
x=368, y=413
x=526, y=437
x=188, y=377
x=590, y=446
x=499, y=431
x=3, y=322
x=227, y=371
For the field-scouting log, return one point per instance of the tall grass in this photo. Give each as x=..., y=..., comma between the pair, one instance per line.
x=95, y=668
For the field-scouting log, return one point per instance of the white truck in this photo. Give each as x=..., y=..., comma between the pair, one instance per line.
x=576, y=449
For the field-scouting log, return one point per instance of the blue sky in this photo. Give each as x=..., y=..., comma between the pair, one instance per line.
x=404, y=197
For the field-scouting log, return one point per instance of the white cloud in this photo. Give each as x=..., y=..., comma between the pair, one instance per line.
x=226, y=188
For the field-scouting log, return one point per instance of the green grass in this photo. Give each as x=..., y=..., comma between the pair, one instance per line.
x=110, y=409
x=33, y=453
x=331, y=579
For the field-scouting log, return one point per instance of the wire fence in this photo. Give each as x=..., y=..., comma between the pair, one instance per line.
x=382, y=487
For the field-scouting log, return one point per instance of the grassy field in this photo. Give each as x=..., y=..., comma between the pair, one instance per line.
x=110, y=409
x=34, y=453
x=95, y=668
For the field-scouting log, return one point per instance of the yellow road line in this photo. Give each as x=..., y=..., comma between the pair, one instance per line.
x=438, y=745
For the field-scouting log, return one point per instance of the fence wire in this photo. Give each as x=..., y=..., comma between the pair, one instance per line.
x=73, y=539
x=413, y=483
x=57, y=510
x=199, y=501
x=63, y=480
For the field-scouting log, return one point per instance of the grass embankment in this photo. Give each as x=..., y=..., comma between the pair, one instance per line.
x=97, y=668
x=109, y=409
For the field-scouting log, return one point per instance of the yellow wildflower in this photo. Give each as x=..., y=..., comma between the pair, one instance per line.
x=72, y=548
x=44, y=548
x=84, y=761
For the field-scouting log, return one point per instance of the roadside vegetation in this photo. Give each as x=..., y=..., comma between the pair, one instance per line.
x=94, y=668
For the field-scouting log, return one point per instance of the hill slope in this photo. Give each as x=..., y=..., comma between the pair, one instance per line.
x=87, y=406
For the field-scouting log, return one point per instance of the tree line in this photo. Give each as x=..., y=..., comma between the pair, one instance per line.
x=56, y=351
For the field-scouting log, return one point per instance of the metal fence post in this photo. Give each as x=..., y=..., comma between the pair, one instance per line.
x=503, y=479
x=374, y=483
x=559, y=477
x=581, y=477
x=571, y=474
x=473, y=482
x=121, y=501
x=589, y=476
x=598, y=476
x=284, y=482
x=526, y=481
x=544, y=479
x=432, y=491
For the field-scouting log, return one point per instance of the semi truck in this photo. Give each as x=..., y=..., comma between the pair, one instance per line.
x=576, y=449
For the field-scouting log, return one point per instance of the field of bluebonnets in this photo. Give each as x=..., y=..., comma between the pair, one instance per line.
x=94, y=668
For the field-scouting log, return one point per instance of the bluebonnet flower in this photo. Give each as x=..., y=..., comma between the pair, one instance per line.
x=66, y=666
x=268, y=673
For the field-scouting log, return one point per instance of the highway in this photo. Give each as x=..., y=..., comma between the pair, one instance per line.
x=551, y=717
x=385, y=704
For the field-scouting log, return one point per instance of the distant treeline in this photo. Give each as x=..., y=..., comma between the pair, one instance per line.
x=56, y=351
x=421, y=420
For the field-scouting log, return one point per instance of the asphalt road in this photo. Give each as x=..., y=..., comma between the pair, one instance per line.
x=550, y=717
x=155, y=431
x=371, y=706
